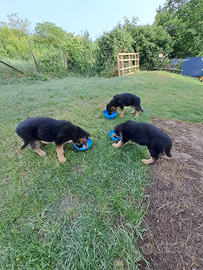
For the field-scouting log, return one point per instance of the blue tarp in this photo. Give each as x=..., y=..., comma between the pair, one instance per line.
x=192, y=66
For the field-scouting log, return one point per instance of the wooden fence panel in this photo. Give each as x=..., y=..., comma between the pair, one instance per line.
x=127, y=63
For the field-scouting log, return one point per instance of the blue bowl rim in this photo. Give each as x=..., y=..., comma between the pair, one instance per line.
x=114, y=139
x=109, y=116
x=89, y=143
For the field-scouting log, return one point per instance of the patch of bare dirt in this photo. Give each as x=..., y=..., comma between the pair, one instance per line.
x=174, y=220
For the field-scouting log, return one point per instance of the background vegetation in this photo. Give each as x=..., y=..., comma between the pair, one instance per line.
x=87, y=212
x=175, y=33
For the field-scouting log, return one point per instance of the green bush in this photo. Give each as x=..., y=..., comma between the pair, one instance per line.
x=50, y=62
x=149, y=42
x=80, y=55
x=109, y=45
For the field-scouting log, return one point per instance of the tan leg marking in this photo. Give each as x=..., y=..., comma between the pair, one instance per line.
x=60, y=155
x=133, y=110
x=39, y=151
x=44, y=143
x=137, y=114
x=119, y=144
x=148, y=161
x=121, y=113
x=131, y=142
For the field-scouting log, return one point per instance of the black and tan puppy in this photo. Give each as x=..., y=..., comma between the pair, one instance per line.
x=157, y=141
x=42, y=130
x=122, y=100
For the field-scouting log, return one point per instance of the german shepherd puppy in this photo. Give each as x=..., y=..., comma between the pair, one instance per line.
x=42, y=130
x=122, y=100
x=157, y=141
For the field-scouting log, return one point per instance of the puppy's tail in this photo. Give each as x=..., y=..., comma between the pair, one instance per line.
x=24, y=145
x=167, y=150
x=140, y=108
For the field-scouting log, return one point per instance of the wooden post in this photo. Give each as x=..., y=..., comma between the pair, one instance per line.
x=129, y=63
x=118, y=60
x=33, y=56
x=131, y=60
x=65, y=60
x=122, y=66
x=61, y=57
x=137, y=61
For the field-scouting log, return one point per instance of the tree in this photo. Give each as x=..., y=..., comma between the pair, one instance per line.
x=148, y=41
x=14, y=36
x=183, y=20
x=49, y=35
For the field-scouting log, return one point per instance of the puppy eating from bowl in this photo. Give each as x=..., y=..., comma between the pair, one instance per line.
x=43, y=130
x=122, y=100
x=157, y=141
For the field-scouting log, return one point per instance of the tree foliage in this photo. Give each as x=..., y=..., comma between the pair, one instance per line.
x=14, y=36
x=149, y=41
x=49, y=35
x=183, y=20
x=176, y=32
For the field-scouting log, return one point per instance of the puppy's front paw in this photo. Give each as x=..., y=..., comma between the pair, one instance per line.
x=148, y=161
x=144, y=161
x=62, y=159
x=42, y=153
x=115, y=145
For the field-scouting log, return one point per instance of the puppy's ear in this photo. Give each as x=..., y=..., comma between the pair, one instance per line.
x=82, y=141
x=88, y=134
x=113, y=109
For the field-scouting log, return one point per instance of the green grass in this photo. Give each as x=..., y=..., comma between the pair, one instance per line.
x=87, y=212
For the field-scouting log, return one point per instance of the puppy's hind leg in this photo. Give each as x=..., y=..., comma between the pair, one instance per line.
x=44, y=143
x=148, y=161
x=134, y=110
x=137, y=113
x=35, y=147
x=151, y=159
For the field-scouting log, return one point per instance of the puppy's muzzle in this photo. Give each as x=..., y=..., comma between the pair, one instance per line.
x=80, y=145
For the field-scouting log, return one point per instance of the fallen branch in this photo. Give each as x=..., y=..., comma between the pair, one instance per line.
x=11, y=67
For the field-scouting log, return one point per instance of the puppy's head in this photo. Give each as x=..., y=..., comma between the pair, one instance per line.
x=117, y=132
x=83, y=140
x=110, y=109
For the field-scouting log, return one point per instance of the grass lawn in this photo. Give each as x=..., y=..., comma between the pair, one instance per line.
x=85, y=213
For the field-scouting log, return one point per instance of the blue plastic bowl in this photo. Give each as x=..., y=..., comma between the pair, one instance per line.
x=105, y=113
x=89, y=142
x=113, y=138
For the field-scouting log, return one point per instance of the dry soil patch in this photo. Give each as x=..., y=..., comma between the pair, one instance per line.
x=174, y=220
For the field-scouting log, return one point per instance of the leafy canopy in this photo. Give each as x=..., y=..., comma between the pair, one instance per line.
x=183, y=20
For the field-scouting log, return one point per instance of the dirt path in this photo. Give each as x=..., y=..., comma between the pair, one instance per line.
x=174, y=221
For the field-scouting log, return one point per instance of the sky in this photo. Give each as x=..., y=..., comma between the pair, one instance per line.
x=78, y=16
